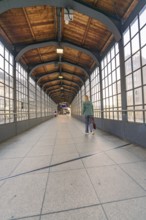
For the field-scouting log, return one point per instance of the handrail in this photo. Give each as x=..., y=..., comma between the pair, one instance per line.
x=132, y=110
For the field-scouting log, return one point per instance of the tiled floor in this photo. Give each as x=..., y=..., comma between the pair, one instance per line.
x=110, y=185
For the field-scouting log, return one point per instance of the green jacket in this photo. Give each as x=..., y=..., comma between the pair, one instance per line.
x=87, y=108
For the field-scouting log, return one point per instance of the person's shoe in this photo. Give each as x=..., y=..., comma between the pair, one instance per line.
x=93, y=132
x=86, y=132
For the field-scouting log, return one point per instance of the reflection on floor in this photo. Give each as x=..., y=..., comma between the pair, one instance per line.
x=110, y=185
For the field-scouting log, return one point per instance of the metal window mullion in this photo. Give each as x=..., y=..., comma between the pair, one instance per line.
x=132, y=69
x=14, y=92
x=90, y=87
x=141, y=67
x=4, y=90
x=28, y=94
x=123, y=80
x=36, y=103
x=101, y=90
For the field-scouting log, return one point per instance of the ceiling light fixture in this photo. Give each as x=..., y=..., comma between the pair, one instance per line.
x=61, y=87
x=68, y=15
x=60, y=77
x=59, y=50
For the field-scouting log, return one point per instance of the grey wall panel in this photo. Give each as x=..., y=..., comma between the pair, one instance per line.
x=131, y=132
x=136, y=133
x=10, y=130
x=7, y=131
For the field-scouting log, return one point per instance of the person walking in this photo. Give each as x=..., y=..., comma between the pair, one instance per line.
x=88, y=112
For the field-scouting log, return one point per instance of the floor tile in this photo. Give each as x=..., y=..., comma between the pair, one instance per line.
x=7, y=166
x=98, y=160
x=91, y=213
x=69, y=189
x=22, y=196
x=64, y=148
x=122, y=156
x=137, y=171
x=13, y=153
x=40, y=151
x=29, y=164
x=112, y=184
x=77, y=164
x=133, y=209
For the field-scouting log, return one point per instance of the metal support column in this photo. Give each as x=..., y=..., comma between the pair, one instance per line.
x=101, y=90
x=123, y=82
x=28, y=97
x=14, y=92
x=90, y=87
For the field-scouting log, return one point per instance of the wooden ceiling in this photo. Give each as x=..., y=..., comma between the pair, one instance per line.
x=35, y=31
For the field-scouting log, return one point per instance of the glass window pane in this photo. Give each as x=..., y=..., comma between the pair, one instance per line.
x=109, y=68
x=114, y=101
x=127, y=51
x=128, y=67
x=130, y=114
x=117, y=61
x=143, y=36
x=112, y=52
x=129, y=84
x=1, y=62
x=114, y=89
x=143, y=54
x=134, y=27
x=113, y=64
x=117, y=47
x=142, y=17
x=11, y=59
x=119, y=100
x=6, y=79
x=136, y=61
x=7, y=91
x=114, y=76
x=1, y=89
x=109, y=79
x=6, y=66
x=108, y=57
x=126, y=36
x=6, y=54
x=144, y=74
x=119, y=86
x=11, y=70
x=138, y=96
x=118, y=73
x=130, y=98
x=144, y=90
x=1, y=76
x=137, y=78
x=135, y=44
x=105, y=71
x=138, y=114
x=1, y=49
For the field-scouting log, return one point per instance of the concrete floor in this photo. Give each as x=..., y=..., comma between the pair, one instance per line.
x=110, y=185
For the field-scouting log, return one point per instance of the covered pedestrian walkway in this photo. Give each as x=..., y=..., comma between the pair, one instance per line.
x=109, y=185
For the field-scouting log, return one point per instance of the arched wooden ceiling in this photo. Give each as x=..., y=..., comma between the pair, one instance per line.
x=36, y=28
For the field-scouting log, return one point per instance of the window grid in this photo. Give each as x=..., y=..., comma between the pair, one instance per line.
x=87, y=88
x=135, y=67
x=39, y=102
x=32, y=98
x=21, y=93
x=7, y=92
x=111, y=84
x=6, y=86
x=95, y=93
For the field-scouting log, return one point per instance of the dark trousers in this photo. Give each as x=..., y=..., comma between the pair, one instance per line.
x=88, y=123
